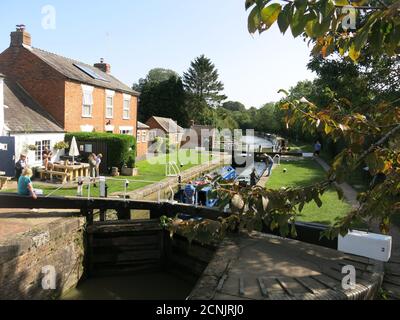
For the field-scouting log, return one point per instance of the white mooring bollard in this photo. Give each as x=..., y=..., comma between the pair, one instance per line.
x=102, y=186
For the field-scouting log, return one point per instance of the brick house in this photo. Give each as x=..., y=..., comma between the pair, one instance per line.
x=142, y=140
x=166, y=128
x=24, y=123
x=207, y=136
x=80, y=97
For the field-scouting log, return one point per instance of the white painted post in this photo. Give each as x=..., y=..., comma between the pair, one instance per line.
x=90, y=183
x=102, y=186
x=126, y=188
x=80, y=187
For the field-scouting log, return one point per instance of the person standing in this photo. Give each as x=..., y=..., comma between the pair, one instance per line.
x=92, y=168
x=189, y=193
x=99, y=158
x=25, y=186
x=20, y=166
x=270, y=164
x=253, y=178
x=317, y=149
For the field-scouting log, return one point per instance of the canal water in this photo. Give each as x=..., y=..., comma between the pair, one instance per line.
x=254, y=143
x=144, y=286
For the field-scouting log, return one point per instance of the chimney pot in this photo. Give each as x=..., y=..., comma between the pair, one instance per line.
x=20, y=37
x=105, y=67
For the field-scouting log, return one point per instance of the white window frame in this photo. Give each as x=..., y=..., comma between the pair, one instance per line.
x=41, y=145
x=144, y=136
x=110, y=95
x=126, y=130
x=87, y=92
x=127, y=99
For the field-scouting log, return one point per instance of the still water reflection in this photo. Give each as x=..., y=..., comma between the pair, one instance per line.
x=143, y=286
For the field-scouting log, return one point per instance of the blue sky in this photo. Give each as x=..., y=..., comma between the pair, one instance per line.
x=135, y=36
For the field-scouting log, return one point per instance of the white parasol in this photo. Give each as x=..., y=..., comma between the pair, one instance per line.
x=74, y=151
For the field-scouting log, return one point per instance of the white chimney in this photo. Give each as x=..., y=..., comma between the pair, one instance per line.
x=1, y=105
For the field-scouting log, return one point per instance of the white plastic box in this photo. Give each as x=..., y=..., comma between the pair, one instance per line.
x=370, y=245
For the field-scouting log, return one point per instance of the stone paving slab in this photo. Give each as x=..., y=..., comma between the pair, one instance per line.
x=15, y=222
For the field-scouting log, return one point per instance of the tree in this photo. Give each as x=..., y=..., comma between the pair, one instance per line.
x=156, y=75
x=159, y=75
x=234, y=106
x=164, y=99
x=327, y=24
x=372, y=139
x=367, y=83
x=268, y=119
x=202, y=81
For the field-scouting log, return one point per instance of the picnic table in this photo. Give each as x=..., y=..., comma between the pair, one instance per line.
x=67, y=172
x=73, y=170
x=3, y=179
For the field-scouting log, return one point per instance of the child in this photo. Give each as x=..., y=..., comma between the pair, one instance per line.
x=25, y=187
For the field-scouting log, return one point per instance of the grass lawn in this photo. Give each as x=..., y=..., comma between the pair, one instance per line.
x=304, y=173
x=152, y=170
x=358, y=179
x=301, y=146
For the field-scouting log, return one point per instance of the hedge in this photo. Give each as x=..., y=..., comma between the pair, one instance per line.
x=121, y=147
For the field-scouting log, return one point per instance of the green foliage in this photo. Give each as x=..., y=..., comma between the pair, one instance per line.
x=120, y=147
x=322, y=22
x=32, y=147
x=130, y=163
x=163, y=99
x=61, y=145
x=234, y=106
x=156, y=76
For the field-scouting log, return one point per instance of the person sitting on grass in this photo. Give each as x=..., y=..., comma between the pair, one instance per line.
x=25, y=186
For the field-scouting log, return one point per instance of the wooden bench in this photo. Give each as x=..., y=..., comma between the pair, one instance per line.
x=63, y=175
x=3, y=181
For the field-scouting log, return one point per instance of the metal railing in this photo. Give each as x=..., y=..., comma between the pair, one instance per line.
x=172, y=169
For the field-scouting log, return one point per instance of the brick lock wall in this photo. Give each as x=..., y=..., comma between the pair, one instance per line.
x=58, y=244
